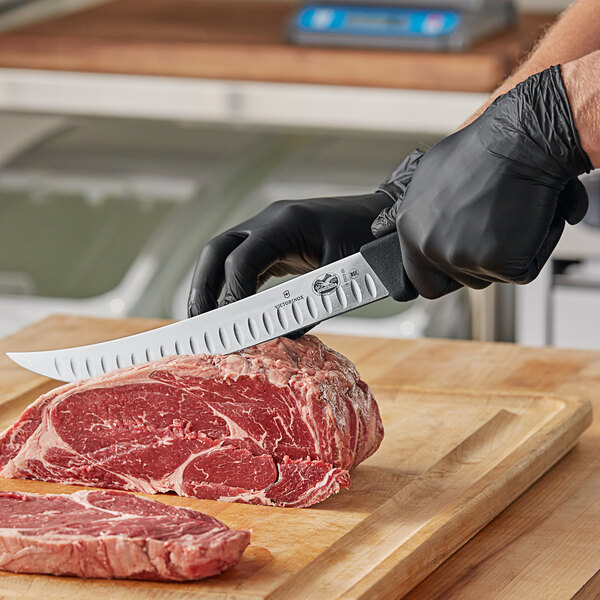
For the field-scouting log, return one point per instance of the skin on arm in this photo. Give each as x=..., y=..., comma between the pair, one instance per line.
x=583, y=88
x=573, y=36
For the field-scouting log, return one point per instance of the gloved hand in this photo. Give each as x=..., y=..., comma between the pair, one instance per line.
x=287, y=237
x=489, y=202
x=395, y=187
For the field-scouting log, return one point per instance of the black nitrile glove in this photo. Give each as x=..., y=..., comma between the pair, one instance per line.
x=489, y=202
x=395, y=187
x=287, y=237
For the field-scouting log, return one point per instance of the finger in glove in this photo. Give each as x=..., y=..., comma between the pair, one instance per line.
x=395, y=187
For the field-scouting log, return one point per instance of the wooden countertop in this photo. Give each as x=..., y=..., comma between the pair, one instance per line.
x=546, y=544
x=244, y=40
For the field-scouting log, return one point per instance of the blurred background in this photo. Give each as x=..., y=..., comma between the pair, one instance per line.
x=133, y=131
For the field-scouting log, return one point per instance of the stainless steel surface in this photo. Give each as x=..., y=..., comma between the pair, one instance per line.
x=308, y=299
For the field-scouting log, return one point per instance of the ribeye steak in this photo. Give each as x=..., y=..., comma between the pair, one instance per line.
x=278, y=424
x=110, y=534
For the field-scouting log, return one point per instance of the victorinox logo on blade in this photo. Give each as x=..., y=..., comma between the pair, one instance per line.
x=326, y=284
x=286, y=294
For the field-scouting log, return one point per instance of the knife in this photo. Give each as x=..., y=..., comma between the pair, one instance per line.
x=357, y=280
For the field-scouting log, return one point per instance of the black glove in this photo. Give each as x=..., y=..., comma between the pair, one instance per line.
x=489, y=202
x=395, y=187
x=287, y=237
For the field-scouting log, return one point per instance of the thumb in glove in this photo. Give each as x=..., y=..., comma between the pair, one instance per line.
x=573, y=202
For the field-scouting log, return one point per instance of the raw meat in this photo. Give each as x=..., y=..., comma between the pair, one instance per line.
x=113, y=534
x=277, y=424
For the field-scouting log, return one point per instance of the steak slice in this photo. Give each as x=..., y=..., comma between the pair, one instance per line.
x=277, y=424
x=109, y=534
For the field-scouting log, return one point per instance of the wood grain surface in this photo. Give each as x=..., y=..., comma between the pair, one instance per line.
x=244, y=40
x=451, y=460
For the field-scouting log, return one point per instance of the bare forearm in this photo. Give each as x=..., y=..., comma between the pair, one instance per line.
x=573, y=36
x=583, y=88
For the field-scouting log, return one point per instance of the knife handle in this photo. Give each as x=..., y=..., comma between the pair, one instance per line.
x=385, y=258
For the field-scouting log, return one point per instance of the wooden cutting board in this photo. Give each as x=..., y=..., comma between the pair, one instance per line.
x=449, y=463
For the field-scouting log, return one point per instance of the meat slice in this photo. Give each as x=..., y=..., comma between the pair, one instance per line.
x=109, y=534
x=277, y=424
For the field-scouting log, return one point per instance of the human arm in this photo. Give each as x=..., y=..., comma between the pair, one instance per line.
x=583, y=88
x=277, y=242
x=572, y=36
x=474, y=175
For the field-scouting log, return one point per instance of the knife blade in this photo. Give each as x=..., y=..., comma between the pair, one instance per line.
x=357, y=280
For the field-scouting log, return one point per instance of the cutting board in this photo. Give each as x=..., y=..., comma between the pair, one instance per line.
x=449, y=463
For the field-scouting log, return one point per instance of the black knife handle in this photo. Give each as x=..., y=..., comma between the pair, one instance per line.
x=385, y=258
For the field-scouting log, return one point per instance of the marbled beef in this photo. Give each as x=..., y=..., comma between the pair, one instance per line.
x=113, y=535
x=278, y=424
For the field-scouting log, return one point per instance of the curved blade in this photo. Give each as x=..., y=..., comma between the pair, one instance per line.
x=280, y=310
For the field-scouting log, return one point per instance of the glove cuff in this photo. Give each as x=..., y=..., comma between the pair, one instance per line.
x=396, y=184
x=541, y=105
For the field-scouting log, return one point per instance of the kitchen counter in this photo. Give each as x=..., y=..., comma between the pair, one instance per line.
x=227, y=60
x=546, y=544
x=244, y=40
